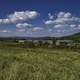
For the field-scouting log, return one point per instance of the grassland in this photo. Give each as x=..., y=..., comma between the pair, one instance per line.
x=18, y=63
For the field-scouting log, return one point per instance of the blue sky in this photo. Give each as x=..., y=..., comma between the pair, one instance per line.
x=34, y=18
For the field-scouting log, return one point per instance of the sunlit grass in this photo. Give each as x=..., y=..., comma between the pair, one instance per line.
x=39, y=64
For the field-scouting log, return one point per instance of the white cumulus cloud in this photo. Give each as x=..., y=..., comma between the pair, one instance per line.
x=50, y=16
x=37, y=29
x=23, y=15
x=64, y=19
x=5, y=31
x=60, y=25
x=19, y=16
x=23, y=25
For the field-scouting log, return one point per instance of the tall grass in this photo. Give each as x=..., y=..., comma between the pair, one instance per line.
x=18, y=63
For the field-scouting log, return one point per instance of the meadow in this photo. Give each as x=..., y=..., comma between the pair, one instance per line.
x=18, y=63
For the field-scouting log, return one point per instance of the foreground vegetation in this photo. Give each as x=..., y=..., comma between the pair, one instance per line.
x=17, y=63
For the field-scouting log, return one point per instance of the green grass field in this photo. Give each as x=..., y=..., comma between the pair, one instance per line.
x=39, y=64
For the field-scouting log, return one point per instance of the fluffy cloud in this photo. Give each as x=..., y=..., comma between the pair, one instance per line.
x=79, y=26
x=21, y=30
x=73, y=25
x=23, y=25
x=19, y=16
x=24, y=15
x=37, y=29
x=5, y=31
x=48, y=22
x=64, y=15
x=64, y=19
x=60, y=25
x=50, y=16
